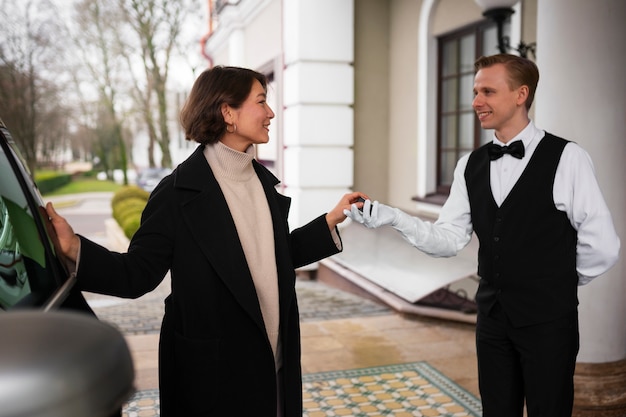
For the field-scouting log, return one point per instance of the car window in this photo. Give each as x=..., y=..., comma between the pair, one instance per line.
x=29, y=271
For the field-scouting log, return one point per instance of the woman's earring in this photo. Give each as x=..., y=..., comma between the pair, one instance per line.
x=233, y=127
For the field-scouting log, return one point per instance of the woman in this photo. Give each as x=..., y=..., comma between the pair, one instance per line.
x=230, y=338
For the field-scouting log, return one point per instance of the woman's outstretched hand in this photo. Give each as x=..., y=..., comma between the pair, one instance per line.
x=67, y=240
x=336, y=215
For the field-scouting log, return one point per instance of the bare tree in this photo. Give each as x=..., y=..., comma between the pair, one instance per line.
x=116, y=58
x=97, y=39
x=157, y=26
x=53, y=128
x=29, y=101
x=143, y=93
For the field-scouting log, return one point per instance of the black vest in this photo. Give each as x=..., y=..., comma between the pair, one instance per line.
x=527, y=252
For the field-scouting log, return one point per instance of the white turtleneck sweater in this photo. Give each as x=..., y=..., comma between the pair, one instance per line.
x=248, y=205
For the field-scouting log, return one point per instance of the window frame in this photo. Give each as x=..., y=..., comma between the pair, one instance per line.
x=477, y=29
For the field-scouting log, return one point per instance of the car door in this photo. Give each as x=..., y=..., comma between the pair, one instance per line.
x=31, y=274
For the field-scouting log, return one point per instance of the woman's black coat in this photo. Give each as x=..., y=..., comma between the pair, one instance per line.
x=215, y=358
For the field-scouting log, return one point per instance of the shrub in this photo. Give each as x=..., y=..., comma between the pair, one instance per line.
x=129, y=191
x=127, y=205
x=50, y=181
x=130, y=225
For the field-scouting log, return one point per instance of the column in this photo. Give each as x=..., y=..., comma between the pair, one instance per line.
x=318, y=39
x=582, y=97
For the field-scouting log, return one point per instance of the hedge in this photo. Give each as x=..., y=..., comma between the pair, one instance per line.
x=127, y=205
x=50, y=183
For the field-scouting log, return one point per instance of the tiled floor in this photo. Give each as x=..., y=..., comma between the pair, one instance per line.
x=391, y=339
x=403, y=390
x=343, y=337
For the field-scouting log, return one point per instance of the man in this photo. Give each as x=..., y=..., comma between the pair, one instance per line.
x=543, y=226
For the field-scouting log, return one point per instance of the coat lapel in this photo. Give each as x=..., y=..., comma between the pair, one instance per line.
x=279, y=208
x=211, y=225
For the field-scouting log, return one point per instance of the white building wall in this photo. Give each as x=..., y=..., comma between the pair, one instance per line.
x=248, y=34
x=263, y=34
x=582, y=97
x=313, y=43
x=318, y=41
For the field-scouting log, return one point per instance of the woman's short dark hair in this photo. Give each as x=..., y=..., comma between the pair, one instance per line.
x=521, y=71
x=201, y=116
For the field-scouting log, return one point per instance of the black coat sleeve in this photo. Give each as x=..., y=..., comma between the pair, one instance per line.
x=312, y=242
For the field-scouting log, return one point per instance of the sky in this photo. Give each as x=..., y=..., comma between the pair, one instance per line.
x=181, y=75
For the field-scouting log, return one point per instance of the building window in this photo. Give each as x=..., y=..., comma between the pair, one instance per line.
x=458, y=130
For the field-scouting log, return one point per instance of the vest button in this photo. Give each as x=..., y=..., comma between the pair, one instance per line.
x=496, y=239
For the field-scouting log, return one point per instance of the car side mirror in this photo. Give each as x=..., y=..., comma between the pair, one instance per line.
x=61, y=364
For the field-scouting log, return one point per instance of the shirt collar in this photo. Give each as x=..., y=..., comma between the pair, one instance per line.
x=527, y=135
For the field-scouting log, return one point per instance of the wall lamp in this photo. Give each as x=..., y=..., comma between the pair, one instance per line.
x=499, y=11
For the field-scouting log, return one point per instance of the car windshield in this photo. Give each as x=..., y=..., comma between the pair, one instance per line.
x=29, y=273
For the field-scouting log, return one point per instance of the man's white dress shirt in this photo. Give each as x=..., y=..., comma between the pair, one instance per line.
x=576, y=192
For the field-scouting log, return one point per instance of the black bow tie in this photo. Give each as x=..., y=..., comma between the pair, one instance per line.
x=515, y=149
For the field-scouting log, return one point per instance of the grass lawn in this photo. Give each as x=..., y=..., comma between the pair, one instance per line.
x=86, y=186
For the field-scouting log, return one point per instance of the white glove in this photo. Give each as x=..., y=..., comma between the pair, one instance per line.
x=372, y=215
x=432, y=240
x=376, y=214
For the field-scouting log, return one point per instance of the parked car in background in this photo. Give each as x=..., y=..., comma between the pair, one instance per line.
x=56, y=358
x=149, y=178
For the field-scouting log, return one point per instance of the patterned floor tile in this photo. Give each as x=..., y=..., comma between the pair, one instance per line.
x=142, y=404
x=404, y=390
x=412, y=389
